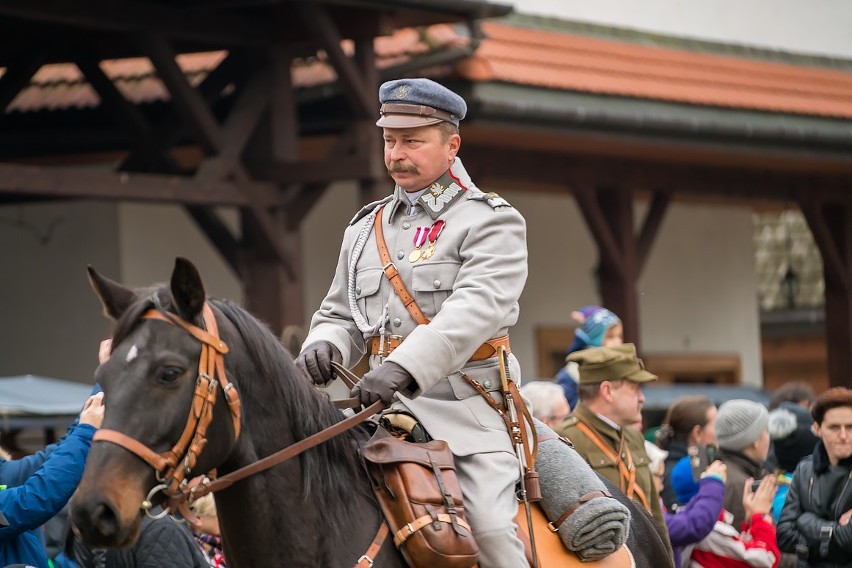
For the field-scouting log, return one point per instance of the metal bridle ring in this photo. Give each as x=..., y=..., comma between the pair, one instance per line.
x=147, y=505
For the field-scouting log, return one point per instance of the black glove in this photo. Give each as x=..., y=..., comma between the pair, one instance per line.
x=381, y=383
x=315, y=361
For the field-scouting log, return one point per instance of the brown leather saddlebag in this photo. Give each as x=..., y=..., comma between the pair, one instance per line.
x=420, y=496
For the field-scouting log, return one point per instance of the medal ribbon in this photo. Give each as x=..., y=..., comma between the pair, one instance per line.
x=436, y=229
x=420, y=236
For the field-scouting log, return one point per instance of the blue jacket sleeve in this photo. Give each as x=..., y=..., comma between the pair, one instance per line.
x=694, y=521
x=46, y=491
x=16, y=472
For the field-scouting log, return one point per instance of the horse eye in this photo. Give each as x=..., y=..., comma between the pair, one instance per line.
x=171, y=374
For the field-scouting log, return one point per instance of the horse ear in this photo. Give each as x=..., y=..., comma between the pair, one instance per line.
x=114, y=297
x=187, y=289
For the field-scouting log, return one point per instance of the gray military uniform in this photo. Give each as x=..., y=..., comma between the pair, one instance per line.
x=469, y=290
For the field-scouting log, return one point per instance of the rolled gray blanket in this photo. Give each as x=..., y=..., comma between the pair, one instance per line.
x=598, y=527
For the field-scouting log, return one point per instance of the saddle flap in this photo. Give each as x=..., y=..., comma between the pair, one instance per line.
x=384, y=451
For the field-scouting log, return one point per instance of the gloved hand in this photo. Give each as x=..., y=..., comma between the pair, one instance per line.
x=315, y=361
x=381, y=383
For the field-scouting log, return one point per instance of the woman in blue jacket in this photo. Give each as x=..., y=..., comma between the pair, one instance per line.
x=36, y=491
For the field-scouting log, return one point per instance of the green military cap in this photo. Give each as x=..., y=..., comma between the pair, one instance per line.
x=599, y=364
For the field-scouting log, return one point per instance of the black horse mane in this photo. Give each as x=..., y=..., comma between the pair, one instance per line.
x=329, y=469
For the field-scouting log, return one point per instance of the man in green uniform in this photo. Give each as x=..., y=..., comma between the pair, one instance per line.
x=601, y=429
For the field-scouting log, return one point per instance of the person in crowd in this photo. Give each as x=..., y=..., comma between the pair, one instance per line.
x=598, y=327
x=207, y=531
x=814, y=522
x=38, y=486
x=795, y=392
x=161, y=542
x=743, y=437
x=456, y=261
x=702, y=503
x=689, y=421
x=792, y=441
x=753, y=544
x=547, y=402
x=601, y=426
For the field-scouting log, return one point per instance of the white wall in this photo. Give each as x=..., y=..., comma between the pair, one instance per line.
x=819, y=27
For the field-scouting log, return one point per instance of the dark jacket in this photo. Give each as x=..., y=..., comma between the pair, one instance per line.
x=696, y=519
x=676, y=450
x=161, y=542
x=818, y=496
x=45, y=491
x=740, y=468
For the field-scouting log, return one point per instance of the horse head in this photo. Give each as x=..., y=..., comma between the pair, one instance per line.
x=161, y=369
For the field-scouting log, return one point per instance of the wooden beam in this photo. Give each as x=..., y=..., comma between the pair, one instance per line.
x=17, y=76
x=190, y=105
x=103, y=183
x=219, y=234
x=318, y=171
x=833, y=262
x=650, y=227
x=599, y=228
x=355, y=90
x=126, y=115
x=199, y=24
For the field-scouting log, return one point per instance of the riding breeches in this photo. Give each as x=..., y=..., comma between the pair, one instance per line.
x=488, y=482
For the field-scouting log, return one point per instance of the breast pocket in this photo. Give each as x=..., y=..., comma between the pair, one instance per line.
x=432, y=283
x=367, y=284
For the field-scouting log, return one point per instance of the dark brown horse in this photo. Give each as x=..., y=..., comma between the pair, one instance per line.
x=316, y=510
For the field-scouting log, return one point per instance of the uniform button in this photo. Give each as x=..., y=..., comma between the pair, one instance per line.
x=602, y=462
x=357, y=289
x=397, y=322
x=487, y=383
x=406, y=225
x=436, y=284
x=624, y=456
x=400, y=255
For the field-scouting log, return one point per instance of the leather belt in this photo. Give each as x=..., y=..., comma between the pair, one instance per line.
x=485, y=351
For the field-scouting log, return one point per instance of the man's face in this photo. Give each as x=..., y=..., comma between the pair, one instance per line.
x=626, y=403
x=415, y=157
x=836, y=433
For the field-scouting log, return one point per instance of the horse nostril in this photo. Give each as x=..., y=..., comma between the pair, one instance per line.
x=97, y=522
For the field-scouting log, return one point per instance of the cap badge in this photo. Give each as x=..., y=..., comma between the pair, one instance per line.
x=403, y=91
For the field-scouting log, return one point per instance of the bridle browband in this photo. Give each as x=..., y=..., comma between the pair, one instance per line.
x=174, y=466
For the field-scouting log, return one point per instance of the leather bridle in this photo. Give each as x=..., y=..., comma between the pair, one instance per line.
x=174, y=466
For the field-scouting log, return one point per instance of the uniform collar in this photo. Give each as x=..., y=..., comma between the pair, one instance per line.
x=441, y=194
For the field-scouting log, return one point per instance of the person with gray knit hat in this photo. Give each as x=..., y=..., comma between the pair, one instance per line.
x=743, y=437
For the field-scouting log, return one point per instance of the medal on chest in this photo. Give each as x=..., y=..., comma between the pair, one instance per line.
x=429, y=234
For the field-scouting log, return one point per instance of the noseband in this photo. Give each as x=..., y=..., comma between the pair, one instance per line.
x=175, y=465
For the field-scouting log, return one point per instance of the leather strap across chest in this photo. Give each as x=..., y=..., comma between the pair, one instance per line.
x=627, y=472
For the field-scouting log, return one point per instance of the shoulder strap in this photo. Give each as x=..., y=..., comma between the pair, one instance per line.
x=627, y=472
x=393, y=275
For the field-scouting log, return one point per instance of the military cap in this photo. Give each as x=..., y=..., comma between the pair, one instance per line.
x=598, y=364
x=408, y=103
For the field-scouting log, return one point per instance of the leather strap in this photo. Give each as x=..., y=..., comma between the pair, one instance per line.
x=485, y=351
x=287, y=453
x=627, y=472
x=369, y=557
x=410, y=528
x=393, y=274
x=554, y=526
x=416, y=110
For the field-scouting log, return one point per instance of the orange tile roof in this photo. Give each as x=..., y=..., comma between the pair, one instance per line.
x=562, y=61
x=522, y=56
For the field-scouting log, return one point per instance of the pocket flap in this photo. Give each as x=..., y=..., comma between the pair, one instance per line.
x=434, y=276
x=367, y=281
x=392, y=450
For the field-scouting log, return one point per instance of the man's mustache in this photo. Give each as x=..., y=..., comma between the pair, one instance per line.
x=399, y=167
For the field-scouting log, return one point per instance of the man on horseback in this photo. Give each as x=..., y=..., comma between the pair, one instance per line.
x=427, y=285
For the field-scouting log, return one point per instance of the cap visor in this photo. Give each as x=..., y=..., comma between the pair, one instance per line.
x=641, y=376
x=405, y=121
